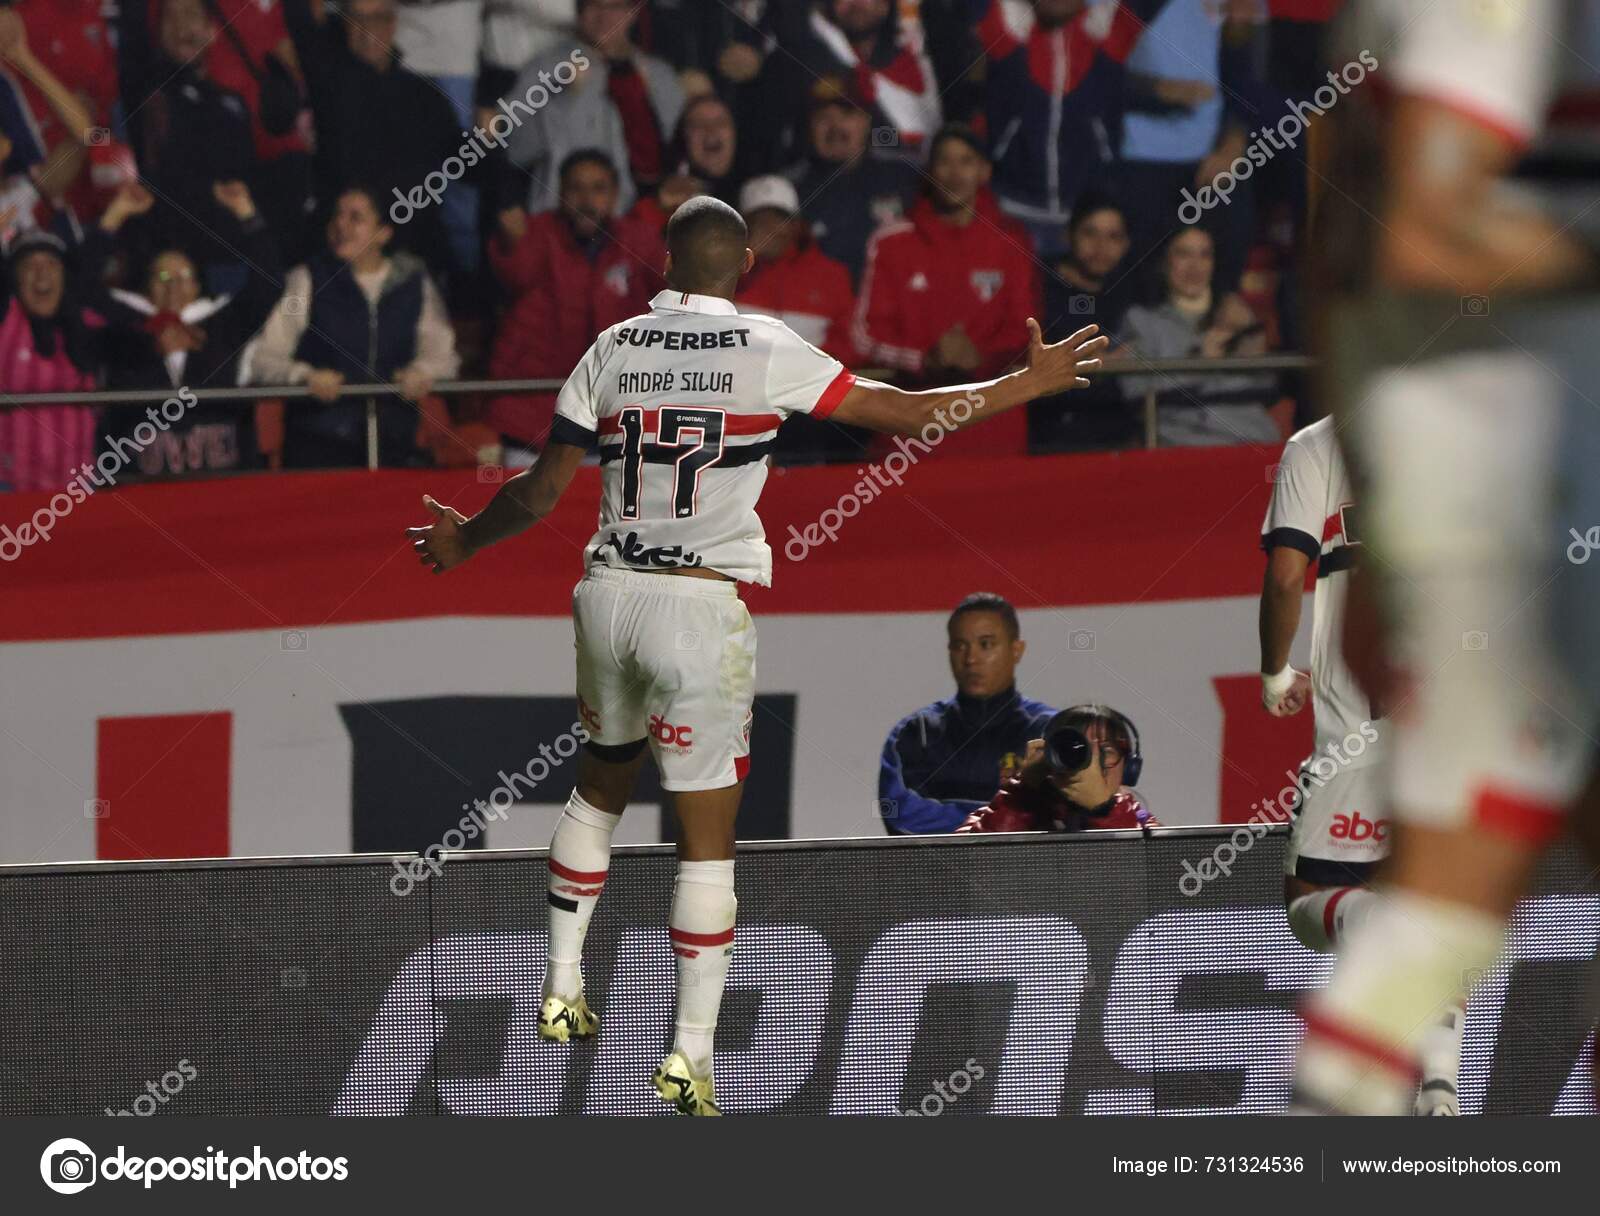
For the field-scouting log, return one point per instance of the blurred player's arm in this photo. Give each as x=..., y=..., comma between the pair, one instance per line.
x=1051, y=368
x=1449, y=228
x=521, y=502
x=1473, y=85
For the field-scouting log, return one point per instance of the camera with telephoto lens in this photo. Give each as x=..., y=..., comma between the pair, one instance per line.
x=1068, y=750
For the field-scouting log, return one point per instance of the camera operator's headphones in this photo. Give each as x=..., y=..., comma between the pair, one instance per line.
x=1132, y=754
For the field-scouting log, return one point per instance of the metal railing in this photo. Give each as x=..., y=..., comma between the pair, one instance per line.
x=447, y=388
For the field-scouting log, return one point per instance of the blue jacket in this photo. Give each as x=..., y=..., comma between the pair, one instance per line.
x=943, y=762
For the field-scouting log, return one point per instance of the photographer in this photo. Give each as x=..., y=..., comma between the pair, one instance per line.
x=1076, y=778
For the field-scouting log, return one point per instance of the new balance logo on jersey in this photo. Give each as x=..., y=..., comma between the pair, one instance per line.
x=668, y=735
x=1354, y=827
x=634, y=553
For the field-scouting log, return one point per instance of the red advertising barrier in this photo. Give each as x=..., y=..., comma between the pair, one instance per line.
x=329, y=548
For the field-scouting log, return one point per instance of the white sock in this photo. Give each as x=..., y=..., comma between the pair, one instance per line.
x=1439, y=1053
x=1324, y=919
x=580, y=854
x=701, y=930
x=1396, y=978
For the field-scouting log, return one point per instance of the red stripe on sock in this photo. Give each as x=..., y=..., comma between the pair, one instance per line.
x=1328, y=910
x=685, y=938
x=1355, y=1041
x=1529, y=819
x=589, y=877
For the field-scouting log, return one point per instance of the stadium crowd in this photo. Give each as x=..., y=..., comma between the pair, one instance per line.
x=206, y=193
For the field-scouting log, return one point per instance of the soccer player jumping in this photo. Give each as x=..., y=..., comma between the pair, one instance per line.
x=683, y=404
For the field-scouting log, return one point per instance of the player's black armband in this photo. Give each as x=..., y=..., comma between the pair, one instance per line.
x=565, y=430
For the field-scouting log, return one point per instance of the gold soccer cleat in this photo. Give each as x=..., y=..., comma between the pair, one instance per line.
x=561, y=1020
x=677, y=1083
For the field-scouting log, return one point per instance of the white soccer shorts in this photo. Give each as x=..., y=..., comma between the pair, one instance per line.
x=1483, y=465
x=1342, y=827
x=672, y=659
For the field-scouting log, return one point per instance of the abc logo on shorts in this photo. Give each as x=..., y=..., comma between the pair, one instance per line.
x=67, y=1166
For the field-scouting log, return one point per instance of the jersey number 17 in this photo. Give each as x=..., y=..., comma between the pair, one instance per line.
x=688, y=438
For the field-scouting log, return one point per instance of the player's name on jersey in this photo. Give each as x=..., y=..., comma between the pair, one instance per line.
x=683, y=339
x=632, y=384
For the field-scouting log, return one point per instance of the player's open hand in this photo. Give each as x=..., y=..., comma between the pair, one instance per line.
x=1293, y=700
x=1059, y=366
x=441, y=545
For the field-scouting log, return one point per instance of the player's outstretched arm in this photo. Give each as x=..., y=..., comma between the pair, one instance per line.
x=521, y=502
x=1052, y=368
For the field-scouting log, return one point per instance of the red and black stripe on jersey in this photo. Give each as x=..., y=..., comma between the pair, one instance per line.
x=705, y=420
x=1342, y=528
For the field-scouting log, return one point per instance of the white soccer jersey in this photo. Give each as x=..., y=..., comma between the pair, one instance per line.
x=1313, y=511
x=684, y=402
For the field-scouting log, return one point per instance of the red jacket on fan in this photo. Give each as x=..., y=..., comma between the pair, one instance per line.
x=259, y=25
x=809, y=292
x=1042, y=808
x=563, y=299
x=924, y=276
